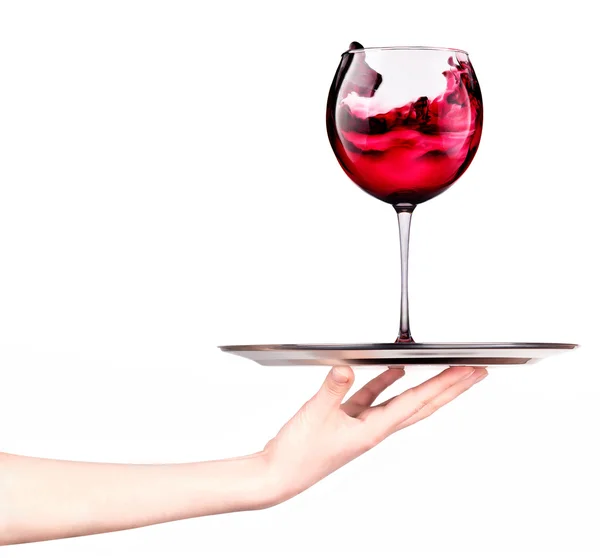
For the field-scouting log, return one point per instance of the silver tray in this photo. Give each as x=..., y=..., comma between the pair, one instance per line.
x=396, y=354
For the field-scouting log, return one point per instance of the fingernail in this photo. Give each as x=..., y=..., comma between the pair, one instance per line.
x=479, y=375
x=339, y=376
x=469, y=372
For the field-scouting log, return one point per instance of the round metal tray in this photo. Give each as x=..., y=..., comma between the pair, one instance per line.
x=480, y=354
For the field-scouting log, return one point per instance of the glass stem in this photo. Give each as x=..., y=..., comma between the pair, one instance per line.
x=404, y=211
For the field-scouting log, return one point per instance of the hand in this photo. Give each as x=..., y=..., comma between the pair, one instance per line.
x=326, y=433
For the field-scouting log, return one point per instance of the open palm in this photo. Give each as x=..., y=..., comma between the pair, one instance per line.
x=327, y=433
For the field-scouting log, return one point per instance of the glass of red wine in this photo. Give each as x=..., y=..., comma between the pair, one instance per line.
x=404, y=124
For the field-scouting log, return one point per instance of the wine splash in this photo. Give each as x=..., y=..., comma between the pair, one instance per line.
x=411, y=153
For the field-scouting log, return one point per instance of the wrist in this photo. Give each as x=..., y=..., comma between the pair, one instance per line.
x=263, y=484
x=257, y=486
x=277, y=485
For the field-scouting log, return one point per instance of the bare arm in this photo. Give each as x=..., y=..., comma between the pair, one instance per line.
x=44, y=499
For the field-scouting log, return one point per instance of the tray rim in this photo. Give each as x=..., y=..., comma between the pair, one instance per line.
x=408, y=347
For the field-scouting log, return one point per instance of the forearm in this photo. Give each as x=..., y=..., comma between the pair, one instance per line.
x=44, y=499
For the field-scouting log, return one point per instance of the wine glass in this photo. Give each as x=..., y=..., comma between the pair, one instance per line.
x=404, y=124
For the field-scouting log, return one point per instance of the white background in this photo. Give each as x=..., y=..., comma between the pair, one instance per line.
x=166, y=186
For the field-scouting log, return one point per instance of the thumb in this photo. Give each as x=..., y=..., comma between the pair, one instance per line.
x=335, y=387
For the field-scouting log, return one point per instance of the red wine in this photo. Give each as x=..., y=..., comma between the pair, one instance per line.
x=407, y=154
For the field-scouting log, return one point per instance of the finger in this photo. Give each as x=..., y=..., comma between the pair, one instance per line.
x=389, y=415
x=367, y=395
x=335, y=387
x=445, y=397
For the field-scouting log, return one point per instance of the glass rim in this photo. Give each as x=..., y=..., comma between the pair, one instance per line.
x=447, y=49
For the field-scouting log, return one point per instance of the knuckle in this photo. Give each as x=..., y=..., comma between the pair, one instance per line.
x=416, y=401
x=372, y=441
x=371, y=438
x=333, y=390
x=428, y=410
